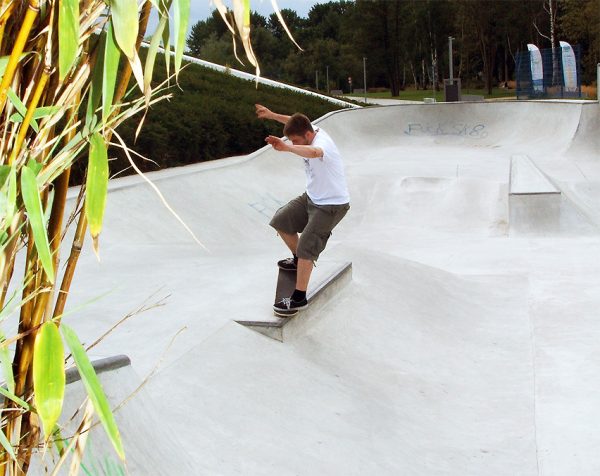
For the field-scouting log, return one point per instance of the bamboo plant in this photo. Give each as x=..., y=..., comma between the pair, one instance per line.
x=65, y=71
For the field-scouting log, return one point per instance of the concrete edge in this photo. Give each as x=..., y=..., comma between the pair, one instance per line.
x=100, y=366
x=316, y=298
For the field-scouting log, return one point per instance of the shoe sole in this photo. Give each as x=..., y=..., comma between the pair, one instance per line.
x=291, y=312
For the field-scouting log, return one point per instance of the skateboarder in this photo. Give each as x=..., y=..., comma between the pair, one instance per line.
x=318, y=210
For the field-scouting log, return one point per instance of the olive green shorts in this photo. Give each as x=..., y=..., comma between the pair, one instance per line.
x=314, y=222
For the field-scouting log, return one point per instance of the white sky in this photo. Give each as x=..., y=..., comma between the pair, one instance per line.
x=202, y=9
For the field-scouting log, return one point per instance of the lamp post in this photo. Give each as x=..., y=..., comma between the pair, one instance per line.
x=327, y=69
x=317, y=79
x=365, y=77
x=450, y=38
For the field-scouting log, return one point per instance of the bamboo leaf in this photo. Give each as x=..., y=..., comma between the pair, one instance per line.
x=241, y=13
x=68, y=35
x=4, y=172
x=4, y=62
x=33, y=205
x=11, y=396
x=7, y=446
x=96, y=186
x=20, y=107
x=6, y=363
x=166, y=40
x=94, y=389
x=39, y=113
x=151, y=56
x=34, y=166
x=182, y=16
x=95, y=92
x=8, y=197
x=125, y=22
x=283, y=24
x=49, y=375
x=110, y=69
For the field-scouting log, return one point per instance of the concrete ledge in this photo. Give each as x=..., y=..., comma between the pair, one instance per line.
x=101, y=365
x=284, y=328
x=527, y=179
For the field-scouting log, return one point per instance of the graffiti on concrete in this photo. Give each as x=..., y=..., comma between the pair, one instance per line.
x=266, y=205
x=474, y=131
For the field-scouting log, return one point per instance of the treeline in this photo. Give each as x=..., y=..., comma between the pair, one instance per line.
x=405, y=42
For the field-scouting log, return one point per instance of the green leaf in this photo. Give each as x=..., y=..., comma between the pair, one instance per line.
x=95, y=91
x=4, y=62
x=96, y=185
x=6, y=363
x=34, y=165
x=48, y=375
x=166, y=40
x=94, y=389
x=20, y=107
x=11, y=396
x=125, y=22
x=110, y=70
x=7, y=446
x=68, y=35
x=151, y=56
x=39, y=113
x=33, y=205
x=4, y=172
x=182, y=16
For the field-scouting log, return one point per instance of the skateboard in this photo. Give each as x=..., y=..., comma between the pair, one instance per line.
x=286, y=284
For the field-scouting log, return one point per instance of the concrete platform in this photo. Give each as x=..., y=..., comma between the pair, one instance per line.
x=458, y=348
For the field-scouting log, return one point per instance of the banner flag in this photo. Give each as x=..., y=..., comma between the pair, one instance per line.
x=537, y=70
x=569, y=65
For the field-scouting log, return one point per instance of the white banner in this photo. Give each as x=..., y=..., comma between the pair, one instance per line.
x=569, y=65
x=537, y=70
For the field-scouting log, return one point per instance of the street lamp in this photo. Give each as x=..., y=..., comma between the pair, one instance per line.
x=365, y=77
x=450, y=38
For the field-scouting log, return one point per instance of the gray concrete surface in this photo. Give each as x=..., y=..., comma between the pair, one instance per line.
x=459, y=347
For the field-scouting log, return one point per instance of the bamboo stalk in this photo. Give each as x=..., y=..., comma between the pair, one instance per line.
x=82, y=222
x=71, y=263
x=32, y=12
x=9, y=8
x=30, y=110
x=121, y=88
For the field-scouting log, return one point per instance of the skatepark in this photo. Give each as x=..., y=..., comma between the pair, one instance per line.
x=463, y=340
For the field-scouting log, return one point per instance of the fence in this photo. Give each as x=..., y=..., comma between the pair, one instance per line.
x=555, y=76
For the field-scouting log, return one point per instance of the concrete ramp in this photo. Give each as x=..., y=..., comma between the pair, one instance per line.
x=151, y=445
x=537, y=206
x=326, y=283
x=466, y=342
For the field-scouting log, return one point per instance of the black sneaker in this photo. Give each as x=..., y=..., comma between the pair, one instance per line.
x=287, y=306
x=289, y=264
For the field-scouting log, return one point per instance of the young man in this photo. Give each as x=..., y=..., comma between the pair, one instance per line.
x=318, y=210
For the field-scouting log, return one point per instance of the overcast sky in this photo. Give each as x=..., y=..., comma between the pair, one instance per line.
x=201, y=9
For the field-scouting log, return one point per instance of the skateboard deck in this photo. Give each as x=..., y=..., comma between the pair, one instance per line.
x=286, y=284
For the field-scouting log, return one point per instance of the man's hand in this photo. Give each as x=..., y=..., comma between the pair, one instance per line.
x=262, y=112
x=277, y=143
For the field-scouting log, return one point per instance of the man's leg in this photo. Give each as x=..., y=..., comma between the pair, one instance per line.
x=305, y=267
x=290, y=239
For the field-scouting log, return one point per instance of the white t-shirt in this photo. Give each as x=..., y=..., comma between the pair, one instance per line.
x=325, y=177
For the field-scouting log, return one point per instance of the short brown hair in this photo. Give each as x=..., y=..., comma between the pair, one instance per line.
x=297, y=125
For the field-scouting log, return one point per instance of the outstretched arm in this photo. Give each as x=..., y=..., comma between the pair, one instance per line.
x=306, y=151
x=264, y=113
